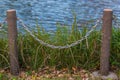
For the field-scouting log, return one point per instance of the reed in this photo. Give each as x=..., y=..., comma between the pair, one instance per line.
x=85, y=55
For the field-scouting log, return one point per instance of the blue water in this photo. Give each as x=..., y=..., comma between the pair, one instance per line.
x=49, y=12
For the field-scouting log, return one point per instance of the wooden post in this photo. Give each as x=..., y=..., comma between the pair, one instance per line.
x=12, y=41
x=106, y=37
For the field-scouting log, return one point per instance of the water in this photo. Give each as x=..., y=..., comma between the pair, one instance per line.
x=49, y=12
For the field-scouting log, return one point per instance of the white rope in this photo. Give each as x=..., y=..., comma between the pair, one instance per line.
x=2, y=23
x=116, y=21
x=58, y=47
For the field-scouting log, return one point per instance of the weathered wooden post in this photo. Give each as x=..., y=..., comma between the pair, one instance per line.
x=12, y=41
x=106, y=37
x=105, y=73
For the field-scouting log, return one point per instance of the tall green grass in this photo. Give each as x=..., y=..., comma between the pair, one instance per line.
x=85, y=55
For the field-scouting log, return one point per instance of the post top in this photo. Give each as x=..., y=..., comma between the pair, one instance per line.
x=107, y=9
x=11, y=10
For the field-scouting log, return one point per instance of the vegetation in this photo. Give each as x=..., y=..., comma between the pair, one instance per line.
x=33, y=55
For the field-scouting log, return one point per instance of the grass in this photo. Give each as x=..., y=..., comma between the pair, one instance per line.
x=40, y=56
x=33, y=55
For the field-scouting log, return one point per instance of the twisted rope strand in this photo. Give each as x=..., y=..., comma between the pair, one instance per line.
x=58, y=47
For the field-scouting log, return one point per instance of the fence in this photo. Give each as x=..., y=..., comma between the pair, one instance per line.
x=105, y=46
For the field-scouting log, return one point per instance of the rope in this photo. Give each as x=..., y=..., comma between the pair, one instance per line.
x=58, y=47
x=2, y=23
x=116, y=21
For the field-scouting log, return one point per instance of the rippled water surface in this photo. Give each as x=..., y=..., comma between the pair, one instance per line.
x=48, y=12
